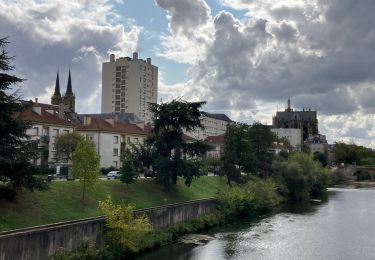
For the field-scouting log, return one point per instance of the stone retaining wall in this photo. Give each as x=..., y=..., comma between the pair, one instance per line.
x=42, y=241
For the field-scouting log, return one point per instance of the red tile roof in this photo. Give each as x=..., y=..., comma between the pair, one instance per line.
x=98, y=124
x=215, y=139
x=44, y=117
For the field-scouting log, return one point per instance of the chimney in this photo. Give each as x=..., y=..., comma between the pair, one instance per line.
x=86, y=120
x=111, y=121
x=36, y=100
x=148, y=60
x=112, y=58
x=135, y=55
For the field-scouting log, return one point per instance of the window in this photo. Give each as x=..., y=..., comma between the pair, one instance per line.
x=115, y=164
x=34, y=131
x=89, y=137
x=115, y=152
x=55, y=132
x=66, y=131
x=118, y=68
x=136, y=140
x=115, y=139
x=128, y=140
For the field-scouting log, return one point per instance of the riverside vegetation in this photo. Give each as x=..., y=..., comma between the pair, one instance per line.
x=296, y=179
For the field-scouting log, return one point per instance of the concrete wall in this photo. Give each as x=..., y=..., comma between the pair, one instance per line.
x=39, y=242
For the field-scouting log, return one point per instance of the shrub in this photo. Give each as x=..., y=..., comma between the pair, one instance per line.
x=124, y=229
x=7, y=193
x=252, y=198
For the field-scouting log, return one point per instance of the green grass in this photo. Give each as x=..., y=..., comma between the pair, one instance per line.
x=62, y=201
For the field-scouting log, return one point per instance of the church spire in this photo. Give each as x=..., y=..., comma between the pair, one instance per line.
x=288, y=109
x=69, y=90
x=56, y=98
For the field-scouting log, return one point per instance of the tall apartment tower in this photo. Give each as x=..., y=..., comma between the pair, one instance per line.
x=129, y=85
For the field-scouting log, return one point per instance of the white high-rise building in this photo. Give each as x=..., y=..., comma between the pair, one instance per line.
x=129, y=85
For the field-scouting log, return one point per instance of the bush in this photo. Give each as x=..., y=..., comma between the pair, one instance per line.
x=252, y=198
x=7, y=193
x=300, y=177
x=124, y=229
x=337, y=177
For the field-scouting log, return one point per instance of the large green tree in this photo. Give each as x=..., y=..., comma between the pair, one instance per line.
x=66, y=144
x=85, y=164
x=169, y=146
x=16, y=150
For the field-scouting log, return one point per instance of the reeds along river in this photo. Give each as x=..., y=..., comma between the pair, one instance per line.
x=341, y=228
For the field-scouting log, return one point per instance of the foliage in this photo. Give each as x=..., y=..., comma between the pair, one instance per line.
x=247, y=149
x=337, y=177
x=300, y=177
x=252, y=198
x=322, y=158
x=128, y=171
x=143, y=154
x=66, y=144
x=85, y=164
x=16, y=150
x=353, y=154
x=125, y=230
x=210, y=165
x=169, y=146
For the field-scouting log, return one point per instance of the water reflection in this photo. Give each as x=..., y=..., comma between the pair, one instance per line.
x=341, y=228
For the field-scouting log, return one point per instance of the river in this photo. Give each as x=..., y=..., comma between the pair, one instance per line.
x=341, y=228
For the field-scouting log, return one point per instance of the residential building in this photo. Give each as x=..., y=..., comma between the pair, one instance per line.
x=217, y=144
x=47, y=125
x=293, y=135
x=111, y=137
x=305, y=120
x=214, y=125
x=129, y=85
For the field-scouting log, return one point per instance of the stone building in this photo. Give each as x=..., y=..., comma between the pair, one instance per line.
x=68, y=100
x=306, y=120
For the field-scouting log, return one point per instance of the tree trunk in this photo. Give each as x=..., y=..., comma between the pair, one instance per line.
x=83, y=190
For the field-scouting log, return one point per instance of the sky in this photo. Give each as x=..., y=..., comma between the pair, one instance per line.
x=244, y=57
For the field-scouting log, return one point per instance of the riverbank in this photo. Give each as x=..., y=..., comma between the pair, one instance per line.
x=356, y=185
x=62, y=201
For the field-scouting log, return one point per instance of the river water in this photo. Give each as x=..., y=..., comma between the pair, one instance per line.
x=341, y=228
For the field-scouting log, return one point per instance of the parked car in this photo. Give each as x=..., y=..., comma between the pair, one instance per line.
x=149, y=173
x=114, y=174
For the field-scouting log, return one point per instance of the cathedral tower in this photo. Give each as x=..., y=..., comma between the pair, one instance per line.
x=56, y=98
x=69, y=97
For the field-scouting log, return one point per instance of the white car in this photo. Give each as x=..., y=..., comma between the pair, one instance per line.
x=114, y=174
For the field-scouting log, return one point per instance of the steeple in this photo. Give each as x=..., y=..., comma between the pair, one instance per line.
x=69, y=98
x=56, y=97
x=69, y=86
x=288, y=109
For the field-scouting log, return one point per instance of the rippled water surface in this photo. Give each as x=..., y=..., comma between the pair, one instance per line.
x=342, y=228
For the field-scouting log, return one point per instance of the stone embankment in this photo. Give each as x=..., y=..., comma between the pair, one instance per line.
x=42, y=241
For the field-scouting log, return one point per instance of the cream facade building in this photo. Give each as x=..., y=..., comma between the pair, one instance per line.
x=111, y=138
x=214, y=125
x=293, y=135
x=47, y=125
x=129, y=85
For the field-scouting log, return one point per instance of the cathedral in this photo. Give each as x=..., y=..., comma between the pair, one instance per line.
x=306, y=120
x=68, y=100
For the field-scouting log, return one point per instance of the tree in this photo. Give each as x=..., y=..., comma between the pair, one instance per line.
x=124, y=229
x=261, y=139
x=128, y=170
x=85, y=164
x=66, y=144
x=166, y=138
x=239, y=155
x=16, y=150
x=321, y=157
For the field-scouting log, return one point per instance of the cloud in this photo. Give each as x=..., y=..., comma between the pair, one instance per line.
x=320, y=53
x=45, y=35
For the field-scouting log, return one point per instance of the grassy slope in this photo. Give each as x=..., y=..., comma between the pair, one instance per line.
x=62, y=201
